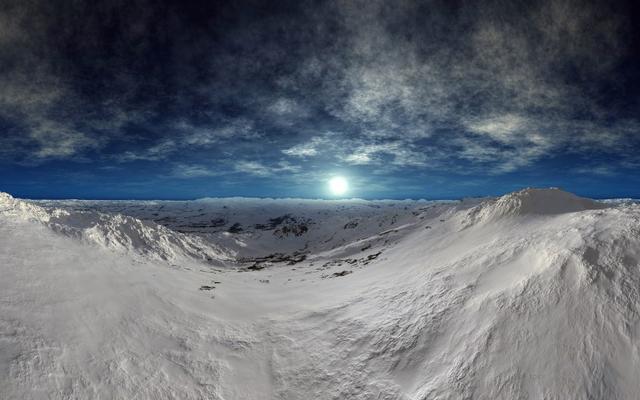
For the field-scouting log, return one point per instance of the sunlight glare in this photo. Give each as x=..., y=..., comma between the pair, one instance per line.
x=338, y=185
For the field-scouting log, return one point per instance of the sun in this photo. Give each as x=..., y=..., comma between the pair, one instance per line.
x=338, y=185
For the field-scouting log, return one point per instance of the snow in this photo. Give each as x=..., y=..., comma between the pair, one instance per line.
x=533, y=201
x=117, y=232
x=535, y=294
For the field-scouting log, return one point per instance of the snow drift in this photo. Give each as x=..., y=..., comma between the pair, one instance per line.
x=532, y=295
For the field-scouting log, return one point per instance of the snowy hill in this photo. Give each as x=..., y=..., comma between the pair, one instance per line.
x=531, y=295
x=528, y=202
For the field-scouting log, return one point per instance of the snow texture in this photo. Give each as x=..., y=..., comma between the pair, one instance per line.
x=533, y=295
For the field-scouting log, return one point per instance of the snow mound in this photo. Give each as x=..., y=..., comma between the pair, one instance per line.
x=118, y=232
x=530, y=201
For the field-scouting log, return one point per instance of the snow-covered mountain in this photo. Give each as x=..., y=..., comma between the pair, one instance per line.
x=259, y=227
x=535, y=294
x=118, y=232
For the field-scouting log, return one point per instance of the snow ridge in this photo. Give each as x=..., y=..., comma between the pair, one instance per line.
x=117, y=232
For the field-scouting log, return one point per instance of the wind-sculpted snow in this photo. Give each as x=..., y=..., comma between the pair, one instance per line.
x=538, y=299
x=260, y=227
x=118, y=232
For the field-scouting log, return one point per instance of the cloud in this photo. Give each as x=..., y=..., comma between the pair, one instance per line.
x=245, y=167
x=315, y=146
x=401, y=153
x=507, y=142
x=484, y=88
x=190, y=137
x=241, y=128
x=371, y=150
x=290, y=108
x=599, y=170
x=502, y=128
x=501, y=76
x=58, y=142
x=157, y=152
x=188, y=171
x=27, y=103
x=259, y=169
x=253, y=168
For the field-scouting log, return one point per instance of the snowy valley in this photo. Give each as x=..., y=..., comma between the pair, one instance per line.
x=532, y=295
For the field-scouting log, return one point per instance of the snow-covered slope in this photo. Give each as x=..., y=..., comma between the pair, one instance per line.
x=534, y=295
x=118, y=232
x=261, y=227
x=531, y=202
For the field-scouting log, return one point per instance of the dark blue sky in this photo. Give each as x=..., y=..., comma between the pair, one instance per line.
x=432, y=99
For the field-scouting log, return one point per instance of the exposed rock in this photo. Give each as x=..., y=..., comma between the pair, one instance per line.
x=235, y=228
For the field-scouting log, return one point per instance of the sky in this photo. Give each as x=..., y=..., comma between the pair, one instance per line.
x=138, y=99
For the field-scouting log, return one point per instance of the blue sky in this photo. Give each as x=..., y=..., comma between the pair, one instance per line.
x=430, y=99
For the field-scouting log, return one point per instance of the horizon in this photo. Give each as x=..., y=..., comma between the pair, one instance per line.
x=330, y=199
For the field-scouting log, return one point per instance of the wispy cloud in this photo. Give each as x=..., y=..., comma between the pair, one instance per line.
x=188, y=171
x=159, y=151
x=400, y=153
x=314, y=146
x=599, y=170
x=187, y=137
x=257, y=168
x=473, y=87
x=192, y=135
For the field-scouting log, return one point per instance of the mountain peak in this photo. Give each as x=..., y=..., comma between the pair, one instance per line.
x=543, y=201
x=532, y=201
